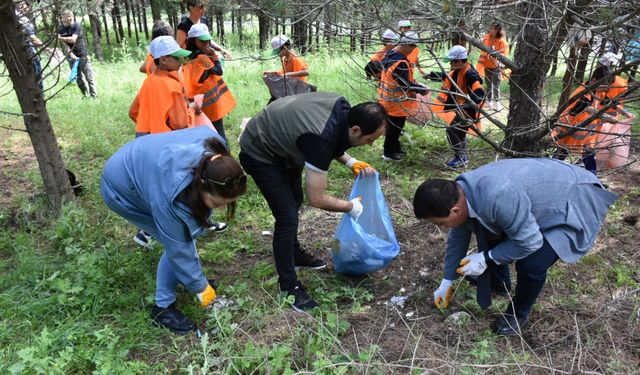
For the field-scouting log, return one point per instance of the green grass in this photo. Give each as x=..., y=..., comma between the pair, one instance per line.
x=76, y=290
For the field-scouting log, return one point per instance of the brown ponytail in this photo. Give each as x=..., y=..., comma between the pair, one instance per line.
x=218, y=174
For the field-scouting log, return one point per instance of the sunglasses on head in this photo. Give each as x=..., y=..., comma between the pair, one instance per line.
x=242, y=179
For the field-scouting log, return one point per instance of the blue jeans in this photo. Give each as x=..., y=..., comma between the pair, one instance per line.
x=282, y=189
x=166, y=279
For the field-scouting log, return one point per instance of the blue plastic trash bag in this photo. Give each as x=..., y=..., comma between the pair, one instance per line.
x=73, y=74
x=370, y=243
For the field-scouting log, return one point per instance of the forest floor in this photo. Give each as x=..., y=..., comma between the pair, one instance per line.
x=76, y=290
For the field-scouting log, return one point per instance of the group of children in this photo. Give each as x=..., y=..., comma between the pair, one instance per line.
x=594, y=118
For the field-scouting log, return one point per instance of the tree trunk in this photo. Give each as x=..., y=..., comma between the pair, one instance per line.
x=581, y=67
x=106, y=26
x=118, y=17
x=352, y=39
x=554, y=66
x=239, y=27
x=132, y=8
x=327, y=25
x=114, y=22
x=233, y=22
x=127, y=14
x=220, y=25
x=155, y=11
x=144, y=20
x=527, y=82
x=264, y=24
x=567, y=78
x=94, y=20
x=317, y=35
x=36, y=119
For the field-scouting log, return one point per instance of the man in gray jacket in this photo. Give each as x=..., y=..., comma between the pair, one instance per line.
x=527, y=211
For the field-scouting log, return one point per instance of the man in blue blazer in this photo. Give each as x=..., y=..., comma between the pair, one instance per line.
x=527, y=211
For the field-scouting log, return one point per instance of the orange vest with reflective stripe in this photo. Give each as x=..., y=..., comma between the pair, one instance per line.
x=379, y=56
x=447, y=89
x=394, y=98
x=568, y=137
x=616, y=88
x=218, y=100
x=498, y=44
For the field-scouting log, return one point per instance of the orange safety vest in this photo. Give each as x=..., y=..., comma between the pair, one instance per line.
x=447, y=89
x=161, y=104
x=568, y=137
x=379, y=56
x=396, y=100
x=616, y=88
x=218, y=100
x=498, y=44
x=414, y=56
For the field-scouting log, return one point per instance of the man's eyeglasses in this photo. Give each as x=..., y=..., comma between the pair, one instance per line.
x=241, y=180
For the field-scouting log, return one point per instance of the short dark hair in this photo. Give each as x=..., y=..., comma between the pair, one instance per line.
x=195, y=3
x=161, y=28
x=435, y=198
x=369, y=116
x=602, y=71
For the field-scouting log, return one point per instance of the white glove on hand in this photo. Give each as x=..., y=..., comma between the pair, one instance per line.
x=442, y=296
x=357, y=208
x=472, y=265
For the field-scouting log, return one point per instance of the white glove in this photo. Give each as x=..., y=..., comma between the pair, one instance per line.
x=442, y=296
x=472, y=265
x=356, y=210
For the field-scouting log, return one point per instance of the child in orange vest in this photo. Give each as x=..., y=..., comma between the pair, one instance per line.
x=203, y=75
x=160, y=28
x=161, y=104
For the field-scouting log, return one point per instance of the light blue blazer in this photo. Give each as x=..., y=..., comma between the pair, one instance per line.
x=531, y=200
x=141, y=182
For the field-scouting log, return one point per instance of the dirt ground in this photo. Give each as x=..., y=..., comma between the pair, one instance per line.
x=595, y=332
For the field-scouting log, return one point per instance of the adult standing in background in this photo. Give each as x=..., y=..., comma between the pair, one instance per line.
x=72, y=37
x=196, y=8
x=490, y=66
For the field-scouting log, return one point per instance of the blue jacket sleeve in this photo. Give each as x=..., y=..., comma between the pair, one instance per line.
x=458, y=240
x=180, y=248
x=512, y=212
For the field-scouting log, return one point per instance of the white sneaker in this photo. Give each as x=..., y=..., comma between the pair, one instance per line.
x=498, y=106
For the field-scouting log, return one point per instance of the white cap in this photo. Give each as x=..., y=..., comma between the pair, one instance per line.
x=610, y=59
x=200, y=31
x=456, y=53
x=279, y=41
x=404, y=23
x=390, y=35
x=165, y=46
x=409, y=37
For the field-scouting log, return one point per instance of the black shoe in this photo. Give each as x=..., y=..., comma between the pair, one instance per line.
x=217, y=227
x=143, y=239
x=173, y=319
x=302, y=301
x=394, y=156
x=508, y=325
x=304, y=260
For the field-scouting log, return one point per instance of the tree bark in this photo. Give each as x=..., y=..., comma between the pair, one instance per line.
x=94, y=20
x=155, y=11
x=220, y=25
x=118, y=18
x=264, y=24
x=127, y=14
x=144, y=19
x=567, y=78
x=106, y=26
x=32, y=103
x=239, y=27
x=134, y=15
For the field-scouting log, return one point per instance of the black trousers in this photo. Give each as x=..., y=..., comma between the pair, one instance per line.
x=282, y=189
x=392, y=134
x=219, y=125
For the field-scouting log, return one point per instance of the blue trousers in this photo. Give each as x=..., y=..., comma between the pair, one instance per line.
x=115, y=196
